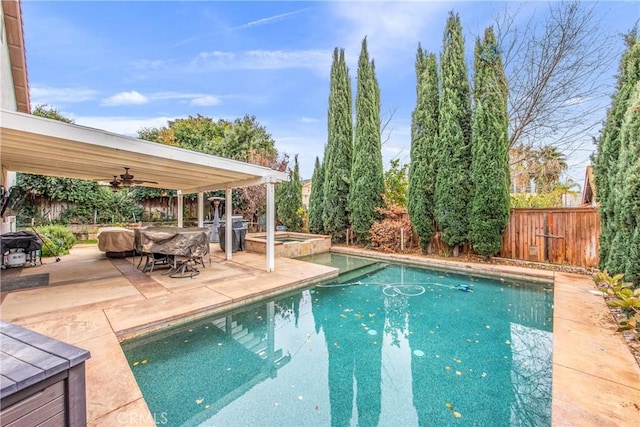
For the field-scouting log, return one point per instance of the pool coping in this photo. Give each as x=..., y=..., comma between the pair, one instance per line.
x=490, y=271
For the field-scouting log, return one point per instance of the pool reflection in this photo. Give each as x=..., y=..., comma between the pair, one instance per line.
x=355, y=351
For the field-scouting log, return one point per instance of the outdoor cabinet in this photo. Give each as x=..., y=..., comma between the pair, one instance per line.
x=42, y=381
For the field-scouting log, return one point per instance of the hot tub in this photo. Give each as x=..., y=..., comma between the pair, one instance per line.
x=289, y=244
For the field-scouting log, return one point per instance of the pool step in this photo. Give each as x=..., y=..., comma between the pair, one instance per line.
x=221, y=323
x=245, y=337
x=359, y=273
x=254, y=344
x=242, y=335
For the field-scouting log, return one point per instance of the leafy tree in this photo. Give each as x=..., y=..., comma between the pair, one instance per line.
x=199, y=133
x=50, y=112
x=339, y=151
x=490, y=149
x=544, y=166
x=424, y=156
x=60, y=189
x=565, y=189
x=289, y=200
x=609, y=150
x=396, y=184
x=243, y=139
x=247, y=137
x=53, y=188
x=235, y=140
x=367, y=179
x=535, y=200
x=251, y=202
x=316, y=199
x=551, y=163
x=104, y=207
x=453, y=182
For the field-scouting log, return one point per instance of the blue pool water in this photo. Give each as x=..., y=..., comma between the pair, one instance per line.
x=400, y=346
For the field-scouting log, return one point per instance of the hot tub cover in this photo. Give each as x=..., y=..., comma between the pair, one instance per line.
x=115, y=239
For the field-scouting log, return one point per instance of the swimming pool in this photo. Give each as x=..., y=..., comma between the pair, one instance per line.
x=433, y=349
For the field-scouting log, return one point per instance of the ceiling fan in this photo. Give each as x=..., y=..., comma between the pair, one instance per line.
x=126, y=180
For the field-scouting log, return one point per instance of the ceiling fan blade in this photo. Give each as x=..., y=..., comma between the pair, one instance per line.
x=140, y=181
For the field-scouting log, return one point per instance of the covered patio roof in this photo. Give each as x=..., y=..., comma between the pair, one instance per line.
x=42, y=146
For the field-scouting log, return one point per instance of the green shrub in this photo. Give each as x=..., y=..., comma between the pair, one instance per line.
x=57, y=239
x=623, y=296
x=537, y=200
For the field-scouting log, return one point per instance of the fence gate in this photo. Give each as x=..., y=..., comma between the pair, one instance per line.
x=559, y=235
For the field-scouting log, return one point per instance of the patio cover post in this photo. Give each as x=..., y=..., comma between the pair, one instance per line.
x=271, y=264
x=201, y=209
x=179, y=208
x=228, y=224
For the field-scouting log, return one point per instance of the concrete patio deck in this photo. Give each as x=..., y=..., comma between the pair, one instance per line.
x=95, y=302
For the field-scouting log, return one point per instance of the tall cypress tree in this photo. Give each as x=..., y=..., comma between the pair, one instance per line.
x=339, y=151
x=453, y=183
x=424, y=157
x=490, y=148
x=624, y=187
x=289, y=199
x=629, y=217
x=606, y=162
x=367, y=175
x=316, y=199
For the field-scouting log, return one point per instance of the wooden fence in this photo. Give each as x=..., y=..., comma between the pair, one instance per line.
x=568, y=236
x=559, y=235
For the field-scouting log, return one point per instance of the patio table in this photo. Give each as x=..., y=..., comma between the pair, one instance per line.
x=180, y=248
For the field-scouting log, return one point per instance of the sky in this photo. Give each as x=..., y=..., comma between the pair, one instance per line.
x=124, y=65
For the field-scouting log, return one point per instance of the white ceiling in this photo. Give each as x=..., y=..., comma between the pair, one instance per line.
x=42, y=146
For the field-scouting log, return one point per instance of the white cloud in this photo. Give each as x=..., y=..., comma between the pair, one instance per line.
x=262, y=60
x=145, y=68
x=205, y=101
x=121, y=125
x=125, y=98
x=389, y=26
x=315, y=59
x=136, y=98
x=307, y=120
x=52, y=95
x=269, y=19
x=198, y=99
x=256, y=23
